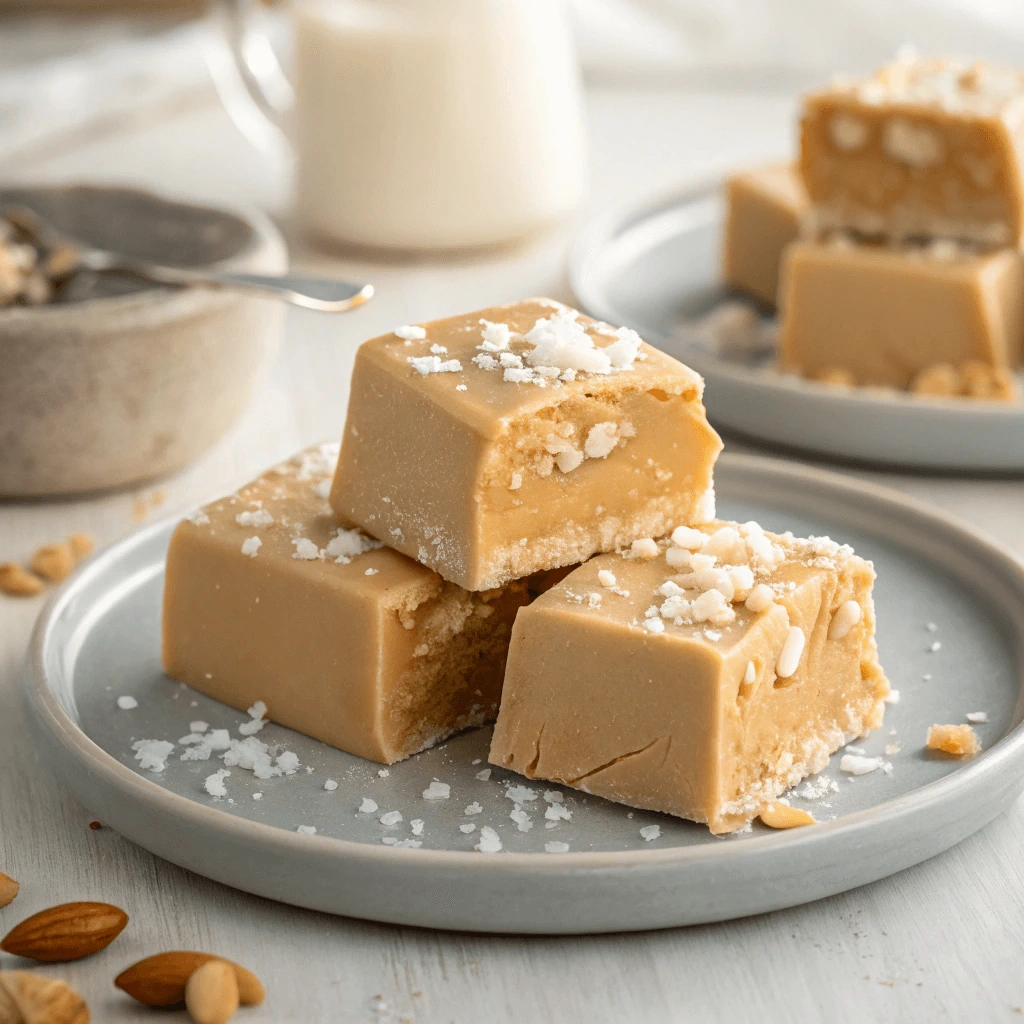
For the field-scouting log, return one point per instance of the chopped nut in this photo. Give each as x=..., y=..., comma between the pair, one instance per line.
x=53, y=562
x=955, y=740
x=992, y=383
x=940, y=381
x=836, y=376
x=784, y=816
x=82, y=545
x=17, y=582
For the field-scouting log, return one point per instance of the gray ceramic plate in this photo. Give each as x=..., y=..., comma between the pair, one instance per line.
x=655, y=266
x=99, y=639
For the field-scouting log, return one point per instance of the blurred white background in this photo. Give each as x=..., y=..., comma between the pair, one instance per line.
x=64, y=78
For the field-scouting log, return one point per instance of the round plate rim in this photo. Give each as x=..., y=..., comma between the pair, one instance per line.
x=1006, y=755
x=585, y=282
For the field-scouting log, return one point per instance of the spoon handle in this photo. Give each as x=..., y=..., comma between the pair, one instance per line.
x=321, y=293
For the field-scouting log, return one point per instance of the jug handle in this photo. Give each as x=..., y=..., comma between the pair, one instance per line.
x=249, y=78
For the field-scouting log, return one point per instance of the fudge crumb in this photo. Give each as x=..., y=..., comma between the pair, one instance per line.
x=437, y=791
x=783, y=816
x=127, y=703
x=955, y=740
x=95, y=825
x=489, y=841
x=330, y=785
x=306, y=830
x=649, y=832
x=977, y=717
x=556, y=847
x=18, y=582
x=368, y=806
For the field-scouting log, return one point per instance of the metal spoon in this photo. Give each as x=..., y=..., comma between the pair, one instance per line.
x=320, y=293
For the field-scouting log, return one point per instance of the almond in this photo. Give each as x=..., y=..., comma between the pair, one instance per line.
x=160, y=980
x=784, y=816
x=26, y=998
x=66, y=932
x=8, y=889
x=211, y=993
x=53, y=562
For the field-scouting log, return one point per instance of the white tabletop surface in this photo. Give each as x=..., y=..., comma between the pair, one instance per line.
x=942, y=941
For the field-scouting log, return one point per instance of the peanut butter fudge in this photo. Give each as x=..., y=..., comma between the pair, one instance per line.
x=923, y=147
x=765, y=207
x=267, y=599
x=701, y=677
x=520, y=438
x=885, y=313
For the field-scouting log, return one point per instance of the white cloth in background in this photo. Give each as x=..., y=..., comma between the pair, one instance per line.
x=64, y=79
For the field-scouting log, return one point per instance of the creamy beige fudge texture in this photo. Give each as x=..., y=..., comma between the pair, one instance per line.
x=520, y=438
x=702, y=681
x=923, y=147
x=885, y=313
x=765, y=207
x=266, y=598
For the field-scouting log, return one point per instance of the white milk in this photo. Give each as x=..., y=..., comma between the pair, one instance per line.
x=435, y=123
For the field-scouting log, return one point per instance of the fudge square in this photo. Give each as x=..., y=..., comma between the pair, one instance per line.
x=764, y=210
x=266, y=598
x=520, y=438
x=883, y=314
x=923, y=147
x=702, y=680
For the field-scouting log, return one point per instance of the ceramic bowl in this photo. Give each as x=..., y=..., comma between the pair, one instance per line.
x=121, y=381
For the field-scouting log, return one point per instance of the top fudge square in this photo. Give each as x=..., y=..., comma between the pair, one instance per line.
x=923, y=147
x=521, y=438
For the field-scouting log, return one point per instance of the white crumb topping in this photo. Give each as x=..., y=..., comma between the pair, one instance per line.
x=495, y=336
x=410, y=333
x=557, y=812
x=257, y=796
x=306, y=550
x=935, y=647
x=516, y=482
x=417, y=826
x=892, y=697
x=214, y=784
x=489, y=841
x=348, y=544
x=467, y=827
x=255, y=517
x=318, y=462
x=649, y=832
x=323, y=488
x=977, y=717
x=437, y=791
x=383, y=773
x=152, y=754
x=330, y=785
x=251, y=545
x=306, y=830
x=644, y=548
x=556, y=847
x=425, y=365
x=553, y=796
x=406, y=844
x=389, y=818
x=606, y=578
x=368, y=806
x=523, y=820
x=521, y=794
x=484, y=774
x=473, y=808
x=855, y=764
x=815, y=789
x=127, y=703
x=198, y=726
x=198, y=518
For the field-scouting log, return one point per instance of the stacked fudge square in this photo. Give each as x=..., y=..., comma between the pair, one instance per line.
x=893, y=246
x=520, y=525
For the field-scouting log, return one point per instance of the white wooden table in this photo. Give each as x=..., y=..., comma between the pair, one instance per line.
x=943, y=941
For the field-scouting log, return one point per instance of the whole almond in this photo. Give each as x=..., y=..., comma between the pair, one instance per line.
x=8, y=889
x=26, y=998
x=66, y=932
x=53, y=562
x=211, y=993
x=160, y=980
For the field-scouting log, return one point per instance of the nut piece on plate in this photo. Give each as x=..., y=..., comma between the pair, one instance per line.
x=53, y=562
x=765, y=207
x=955, y=740
x=161, y=979
x=68, y=931
x=783, y=816
x=923, y=147
x=27, y=998
x=267, y=598
x=211, y=993
x=18, y=582
x=520, y=438
x=704, y=682
x=8, y=889
x=886, y=315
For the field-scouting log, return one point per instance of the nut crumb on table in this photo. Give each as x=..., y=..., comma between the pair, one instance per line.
x=955, y=740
